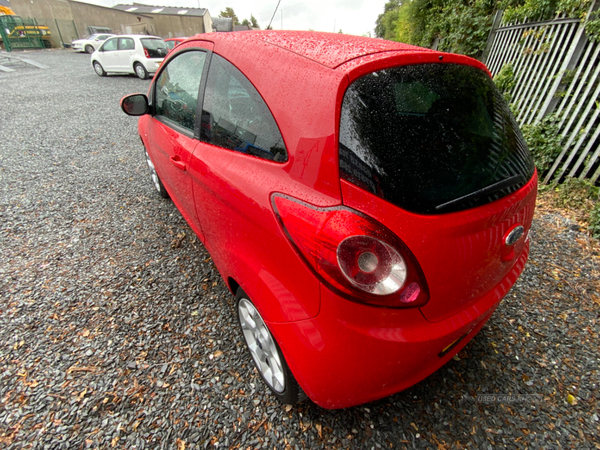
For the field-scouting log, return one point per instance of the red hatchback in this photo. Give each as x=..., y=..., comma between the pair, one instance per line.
x=368, y=202
x=174, y=42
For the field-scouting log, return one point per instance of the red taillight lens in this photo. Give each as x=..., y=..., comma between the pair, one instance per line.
x=146, y=53
x=353, y=253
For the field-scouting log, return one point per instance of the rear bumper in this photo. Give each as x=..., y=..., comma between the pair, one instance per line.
x=152, y=65
x=351, y=353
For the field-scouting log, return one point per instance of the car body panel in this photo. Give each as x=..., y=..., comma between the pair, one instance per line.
x=376, y=352
x=242, y=233
x=174, y=42
x=341, y=351
x=463, y=255
x=95, y=41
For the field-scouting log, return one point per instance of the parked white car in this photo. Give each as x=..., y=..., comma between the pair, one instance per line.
x=139, y=54
x=90, y=44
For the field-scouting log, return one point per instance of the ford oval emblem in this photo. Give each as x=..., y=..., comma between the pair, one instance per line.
x=514, y=235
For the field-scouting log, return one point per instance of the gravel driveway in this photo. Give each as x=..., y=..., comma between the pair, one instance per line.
x=117, y=332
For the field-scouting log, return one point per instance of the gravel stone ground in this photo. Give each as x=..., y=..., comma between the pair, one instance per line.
x=117, y=332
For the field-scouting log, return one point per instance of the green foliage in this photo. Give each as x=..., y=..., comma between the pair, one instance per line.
x=544, y=142
x=505, y=80
x=463, y=26
x=460, y=26
x=386, y=23
x=517, y=10
x=575, y=193
x=594, y=227
x=228, y=12
x=592, y=27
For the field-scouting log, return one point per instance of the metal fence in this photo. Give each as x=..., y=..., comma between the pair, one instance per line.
x=18, y=33
x=556, y=71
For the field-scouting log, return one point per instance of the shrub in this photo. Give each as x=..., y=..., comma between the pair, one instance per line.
x=544, y=142
x=594, y=227
x=575, y=193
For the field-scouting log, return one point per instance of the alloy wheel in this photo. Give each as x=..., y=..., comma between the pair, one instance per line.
x=262, y=346
x=153, y=173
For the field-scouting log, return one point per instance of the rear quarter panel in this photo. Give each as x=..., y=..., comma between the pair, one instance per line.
x=233, y=190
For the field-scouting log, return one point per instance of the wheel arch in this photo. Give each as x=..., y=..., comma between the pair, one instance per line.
x=232, y=285
x=135, y=61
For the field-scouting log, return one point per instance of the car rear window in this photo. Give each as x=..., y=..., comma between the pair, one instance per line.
x=431, y=138
x=156, y=48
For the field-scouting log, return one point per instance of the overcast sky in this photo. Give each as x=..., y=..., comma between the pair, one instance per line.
x=351, y=16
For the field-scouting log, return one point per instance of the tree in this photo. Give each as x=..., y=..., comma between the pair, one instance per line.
x=252, y=23
x=229, y=12
x=385, y=25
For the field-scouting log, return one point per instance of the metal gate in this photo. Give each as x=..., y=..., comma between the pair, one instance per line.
x=66, y=31
x=18, y=33
x=556, y=71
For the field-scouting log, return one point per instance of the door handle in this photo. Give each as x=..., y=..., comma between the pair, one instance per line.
x=177, y=162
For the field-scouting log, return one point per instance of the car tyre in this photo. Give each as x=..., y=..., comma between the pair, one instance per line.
x=140, y=71
x=154, y=176
x=265, y=352
x=89, y=49
x=99, y=69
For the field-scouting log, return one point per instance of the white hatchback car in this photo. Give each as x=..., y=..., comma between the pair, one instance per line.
x=130, y=53
x=90, y=44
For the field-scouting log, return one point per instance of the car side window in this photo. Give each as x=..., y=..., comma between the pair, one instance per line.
x=177, y=88
x=234, y=115
x=126, y=44
x=110, y=45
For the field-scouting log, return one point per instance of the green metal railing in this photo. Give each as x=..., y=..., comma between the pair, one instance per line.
x=19, y=33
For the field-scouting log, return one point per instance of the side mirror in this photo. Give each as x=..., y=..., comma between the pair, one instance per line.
x=135, y=104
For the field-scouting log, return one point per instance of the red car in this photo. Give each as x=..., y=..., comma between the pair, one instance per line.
x=368, y=202
x=174, y=42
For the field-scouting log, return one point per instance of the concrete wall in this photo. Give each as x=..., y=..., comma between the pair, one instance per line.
x=208, y=24
x=120, y=22
x=74, y=17
x=177, y=26
x=46, y=13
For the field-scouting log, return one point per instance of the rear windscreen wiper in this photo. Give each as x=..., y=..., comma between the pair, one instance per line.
x=492, y=188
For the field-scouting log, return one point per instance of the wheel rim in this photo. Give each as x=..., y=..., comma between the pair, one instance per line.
x=141, y=72
x=89, y=49
x=261, y=345
x=98, y=69
x=153, y=173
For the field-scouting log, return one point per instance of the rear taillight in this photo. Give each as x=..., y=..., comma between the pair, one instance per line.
x=146, y=53
x=353, y=253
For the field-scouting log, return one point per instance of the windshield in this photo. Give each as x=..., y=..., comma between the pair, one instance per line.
x=431, y=138
x=156, y=48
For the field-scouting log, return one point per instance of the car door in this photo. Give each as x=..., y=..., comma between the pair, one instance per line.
x=97, y=42
x=172, y=134
x=109, y=55
x=239, y=163
x=126, y=52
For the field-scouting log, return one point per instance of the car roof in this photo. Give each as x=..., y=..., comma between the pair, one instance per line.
x=328, y=49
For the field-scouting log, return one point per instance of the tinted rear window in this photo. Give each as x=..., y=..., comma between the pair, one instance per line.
x=431, y=138
x=156, y=48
